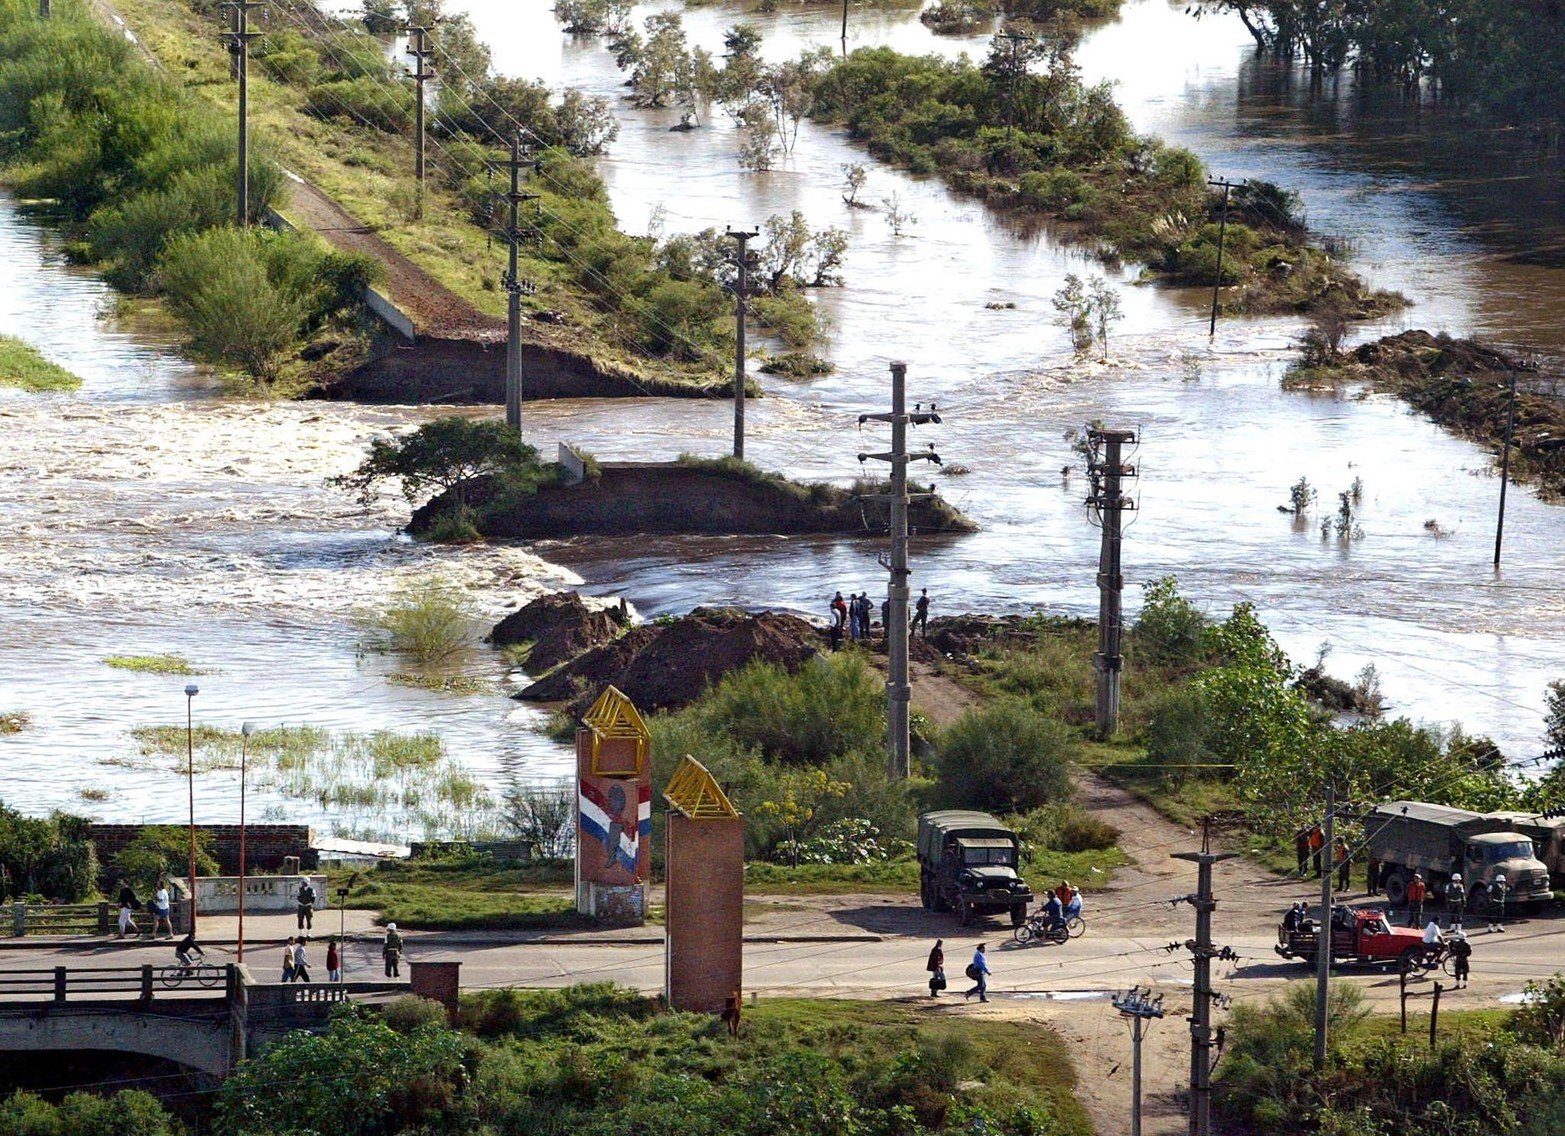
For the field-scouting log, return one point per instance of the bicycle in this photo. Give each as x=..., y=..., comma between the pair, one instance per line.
x=204, y=974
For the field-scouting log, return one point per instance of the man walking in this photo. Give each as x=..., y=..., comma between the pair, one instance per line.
x=128, y=903
x=162, y=913
x=936, y=966
x=1416, y=891
x=1456, y=900
x=978, y=971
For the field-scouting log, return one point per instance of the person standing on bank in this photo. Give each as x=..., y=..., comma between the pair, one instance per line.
x=937, y=968
x=392, y=951
x=306, y=906
x=921, y=615
x=978, y=970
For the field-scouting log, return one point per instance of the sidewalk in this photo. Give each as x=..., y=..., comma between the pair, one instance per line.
x=273, y=928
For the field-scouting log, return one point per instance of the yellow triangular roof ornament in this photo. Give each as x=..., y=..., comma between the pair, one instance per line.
x=614, y=717
x=694, y=792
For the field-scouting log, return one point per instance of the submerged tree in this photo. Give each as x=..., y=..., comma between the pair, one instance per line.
x=443, y=456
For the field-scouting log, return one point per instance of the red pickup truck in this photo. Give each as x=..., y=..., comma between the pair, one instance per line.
x=1357, y=936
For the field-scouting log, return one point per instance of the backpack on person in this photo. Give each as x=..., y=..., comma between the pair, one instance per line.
x=973, y=971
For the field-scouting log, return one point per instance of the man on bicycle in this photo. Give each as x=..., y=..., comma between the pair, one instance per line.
x=1053, y=911
x=188, y=953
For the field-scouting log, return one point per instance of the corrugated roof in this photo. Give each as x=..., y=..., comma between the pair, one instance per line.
x=960, y=818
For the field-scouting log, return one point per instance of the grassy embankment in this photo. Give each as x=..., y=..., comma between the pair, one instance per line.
x=309, y=93
x=23, y=365
x=154, y=664
x=1070, y=158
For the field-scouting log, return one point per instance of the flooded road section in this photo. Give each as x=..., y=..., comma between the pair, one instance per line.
x=150, y=513
x=1221, y=441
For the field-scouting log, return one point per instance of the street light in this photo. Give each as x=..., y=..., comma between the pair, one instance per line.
x=245, y=731
x=190, y=779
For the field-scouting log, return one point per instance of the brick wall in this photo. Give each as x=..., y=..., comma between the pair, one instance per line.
x=705, y=912
x=265, y=844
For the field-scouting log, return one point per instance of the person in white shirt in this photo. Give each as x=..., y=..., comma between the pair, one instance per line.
x=162, y=914
x=1432, y=935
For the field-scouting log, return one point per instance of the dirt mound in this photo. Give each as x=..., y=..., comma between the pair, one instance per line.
x=663, y=666
x=559, y=626
x=959, y=635
x=1420, y=353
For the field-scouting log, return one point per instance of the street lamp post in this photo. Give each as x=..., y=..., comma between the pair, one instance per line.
x=245, y=731
x=190, y=779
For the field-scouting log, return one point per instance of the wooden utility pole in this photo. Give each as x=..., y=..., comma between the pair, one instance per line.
x=741, y=307
x=1202, y=952
x=1505, y=468
x=1222, y=233
x=420, y=50
x=844, y=28
x=238, y=40
x=1106, y=471
x=1323, y=948
x=515, y=286
x=898, y=692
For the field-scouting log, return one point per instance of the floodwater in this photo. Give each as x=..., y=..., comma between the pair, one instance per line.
x=150, y=513
x=153, y=512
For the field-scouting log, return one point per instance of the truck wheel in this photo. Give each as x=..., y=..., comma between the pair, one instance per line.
x=964, y=912
x=1396, y=888
x=1018, y=914
x=923, y=894
x=938, y=899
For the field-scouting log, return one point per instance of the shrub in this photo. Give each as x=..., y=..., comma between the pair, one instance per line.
x=831, y=707
x=1178, y=728
x=1006, y=757
x=427, y=619
x=363, y=100
x=160, y=850
x=127, y=1113
x=218, y=286
x=48, y=856
x=1168, y=632
x=1053, y=189
x=411, y=1013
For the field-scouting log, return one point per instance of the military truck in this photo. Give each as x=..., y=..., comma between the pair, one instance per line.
x=967, y=863
x=1547, y=833
x=1402, y=837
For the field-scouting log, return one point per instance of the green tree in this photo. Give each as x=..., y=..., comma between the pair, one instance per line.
x=163, y=850
x=445, y=456
x=1006, y=757
x=1554, y=714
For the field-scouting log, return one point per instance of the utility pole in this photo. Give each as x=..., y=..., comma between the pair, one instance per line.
x=741, y=306
x=515, y=286
x=1137, y=1006
x=1323, y=951
x=1012, y=38
x=1203, y=953
x=44, y=12
x=238, y=39
x=1505, y=468
x=844, y=27
x=1222, y=233
x=1106, y=471
x=898, y=692
x=420, y=50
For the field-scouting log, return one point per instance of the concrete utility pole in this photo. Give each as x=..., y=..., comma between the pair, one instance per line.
x=1137, y=1007
x=1323, y=952
x=238, y=40
x=1505, y=468
x=1222, y=233
x=844, y=27
x=515, y=286
x=44, y=11
x=741, y=306
x=1106, y=471
x=898, y=692
x=1202, y=952
x=420, y=50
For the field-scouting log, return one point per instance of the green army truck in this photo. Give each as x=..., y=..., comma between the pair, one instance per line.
x=967, y=863
x=1547, y=833
x=1402, y=837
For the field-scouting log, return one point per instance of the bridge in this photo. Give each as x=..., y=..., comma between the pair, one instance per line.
x=208, y=1026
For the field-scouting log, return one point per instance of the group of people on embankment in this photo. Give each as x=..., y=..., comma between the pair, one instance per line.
x=853, y=617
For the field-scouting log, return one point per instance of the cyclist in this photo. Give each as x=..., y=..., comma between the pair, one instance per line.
x=188, y=953
x=1073, y=904
x=1053, y=911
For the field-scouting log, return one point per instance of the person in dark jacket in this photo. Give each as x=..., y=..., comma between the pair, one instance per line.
x=1461, y=953
x=306, y=906
x=937, y=968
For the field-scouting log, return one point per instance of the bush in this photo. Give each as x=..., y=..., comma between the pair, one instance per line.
x=160, y=850
x=1006, y=757
x=411, y=1013
x=218, y=286
x=426, y=619
x=127, y=1113
x=363, y=100
x=831, y=707
x=1169, y=630
x=48, y=856
x=1053, y=190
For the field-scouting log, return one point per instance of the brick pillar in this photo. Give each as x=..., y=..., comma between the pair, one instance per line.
x=705, y=942
x=439, y=982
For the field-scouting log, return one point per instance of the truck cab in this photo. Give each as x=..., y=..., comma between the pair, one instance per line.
x=968, y=864
x=1489, y=854
x=1547, y=833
